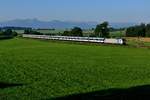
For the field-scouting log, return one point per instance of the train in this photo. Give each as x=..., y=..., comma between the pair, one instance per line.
x=119, y=41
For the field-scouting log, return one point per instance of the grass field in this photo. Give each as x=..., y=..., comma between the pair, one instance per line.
x=35, y=69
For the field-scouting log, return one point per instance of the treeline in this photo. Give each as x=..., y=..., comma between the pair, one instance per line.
x=101, y=30
x=52, y=29
x=15, y=28
x=30, y=31
x=111, y=29
x=142, y=30
x=8, y=33
x=76, y=31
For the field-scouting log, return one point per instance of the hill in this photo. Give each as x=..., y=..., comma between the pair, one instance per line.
x=35, y=23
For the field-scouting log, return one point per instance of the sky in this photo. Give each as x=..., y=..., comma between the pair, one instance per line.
x=76, y=10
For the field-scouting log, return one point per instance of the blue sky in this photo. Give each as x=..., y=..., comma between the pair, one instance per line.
x=76, y=10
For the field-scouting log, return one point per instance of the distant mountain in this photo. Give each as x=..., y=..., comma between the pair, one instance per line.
x=122, y=25
x=35, y=23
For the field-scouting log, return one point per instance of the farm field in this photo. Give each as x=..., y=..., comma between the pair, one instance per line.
x=138, y=42
x=36, y=69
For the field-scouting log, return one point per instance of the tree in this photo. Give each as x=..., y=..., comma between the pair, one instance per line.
x=27, y=31
x=76, y=31
x=66, y=33
x=98, y=30
x=130, y=32
x=93, y=29
x=8, y=33
x=102, y=30
x=136, y=31
x=15, y=33
x=148, y=30
x=142, y=30
x=30, y=31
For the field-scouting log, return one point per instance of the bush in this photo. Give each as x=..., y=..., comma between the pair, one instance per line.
x=30, y=31
x=7, y=34
x=148, y=30
x=76, y=31
x=66, y=33
x=136, y=31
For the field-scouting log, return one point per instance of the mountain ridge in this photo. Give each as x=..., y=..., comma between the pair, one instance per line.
x=35, y=23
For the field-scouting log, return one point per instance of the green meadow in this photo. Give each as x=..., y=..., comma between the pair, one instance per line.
x=46, y=69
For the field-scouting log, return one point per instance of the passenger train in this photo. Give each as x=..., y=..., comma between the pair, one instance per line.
x=119, y=41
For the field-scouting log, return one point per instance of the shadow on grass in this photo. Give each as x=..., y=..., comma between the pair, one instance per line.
x=4, y=85
x=133, y=93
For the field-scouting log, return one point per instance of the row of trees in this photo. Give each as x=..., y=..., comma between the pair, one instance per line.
x=14, y=28
x=76, y=31
x=30, y=31
x=101, y=30
x=7, y=34
x=142, y=30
